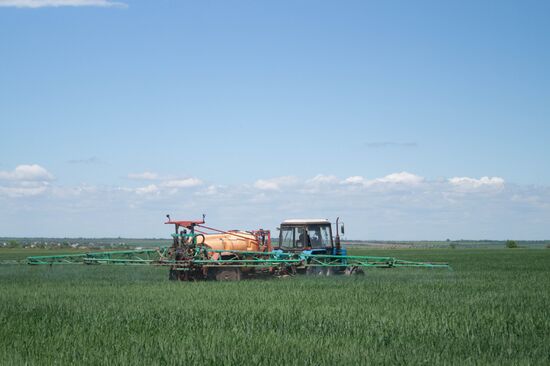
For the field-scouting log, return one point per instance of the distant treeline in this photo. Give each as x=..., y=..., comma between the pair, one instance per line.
x=453, y=243
x=93, y=243
x=461, y=241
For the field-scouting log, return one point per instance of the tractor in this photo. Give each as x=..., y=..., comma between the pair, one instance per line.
x=314, y=239
x=199, y=252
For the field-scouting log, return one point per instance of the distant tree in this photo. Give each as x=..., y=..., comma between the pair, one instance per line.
x=511, y=244
x=13, y=244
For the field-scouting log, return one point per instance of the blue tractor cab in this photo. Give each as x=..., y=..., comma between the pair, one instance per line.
x=310, y=236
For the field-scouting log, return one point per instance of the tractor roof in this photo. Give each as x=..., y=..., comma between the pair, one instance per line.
x=305, y=221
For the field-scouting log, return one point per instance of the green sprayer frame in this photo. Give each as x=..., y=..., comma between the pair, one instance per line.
x=202, y=257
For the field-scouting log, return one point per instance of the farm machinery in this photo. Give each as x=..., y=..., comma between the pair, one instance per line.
x=199, y=252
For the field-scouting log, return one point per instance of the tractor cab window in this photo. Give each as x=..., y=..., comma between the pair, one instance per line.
x=294, y=238
x=319, y=236
x=302, y=239
x=314, y=232
x=326, y=237
x=287, y=237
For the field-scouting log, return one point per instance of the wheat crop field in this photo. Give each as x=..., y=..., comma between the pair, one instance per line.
x=493, y=307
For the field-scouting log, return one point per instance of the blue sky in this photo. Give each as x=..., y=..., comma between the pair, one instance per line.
x=412, y=120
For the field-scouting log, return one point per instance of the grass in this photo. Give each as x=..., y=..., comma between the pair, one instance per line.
x=493, y=308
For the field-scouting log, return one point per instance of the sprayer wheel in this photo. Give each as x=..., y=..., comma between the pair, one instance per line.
x=173, y=275
x=228, y=274
x=354, y=271
x=315, y=271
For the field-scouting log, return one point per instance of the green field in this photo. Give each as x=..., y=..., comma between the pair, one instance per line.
x=492, y=308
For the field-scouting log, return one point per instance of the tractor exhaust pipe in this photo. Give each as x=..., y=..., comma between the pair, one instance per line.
x=337, y=238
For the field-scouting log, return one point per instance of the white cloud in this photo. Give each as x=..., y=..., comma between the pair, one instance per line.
x=150, y=189
x=320, y=183
x=401, y=178
x=211, y=190
x=388, y=207
x=75, y=191
x=467, y=183
x=167, y=187
x=163, y=185
x=60, y=3
x=22, y=191
x=25, y=180
x=323, y=179
x=22, y=173
x=275, y=184
x=355, y=180
x=182, y=183
x=143, y=176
